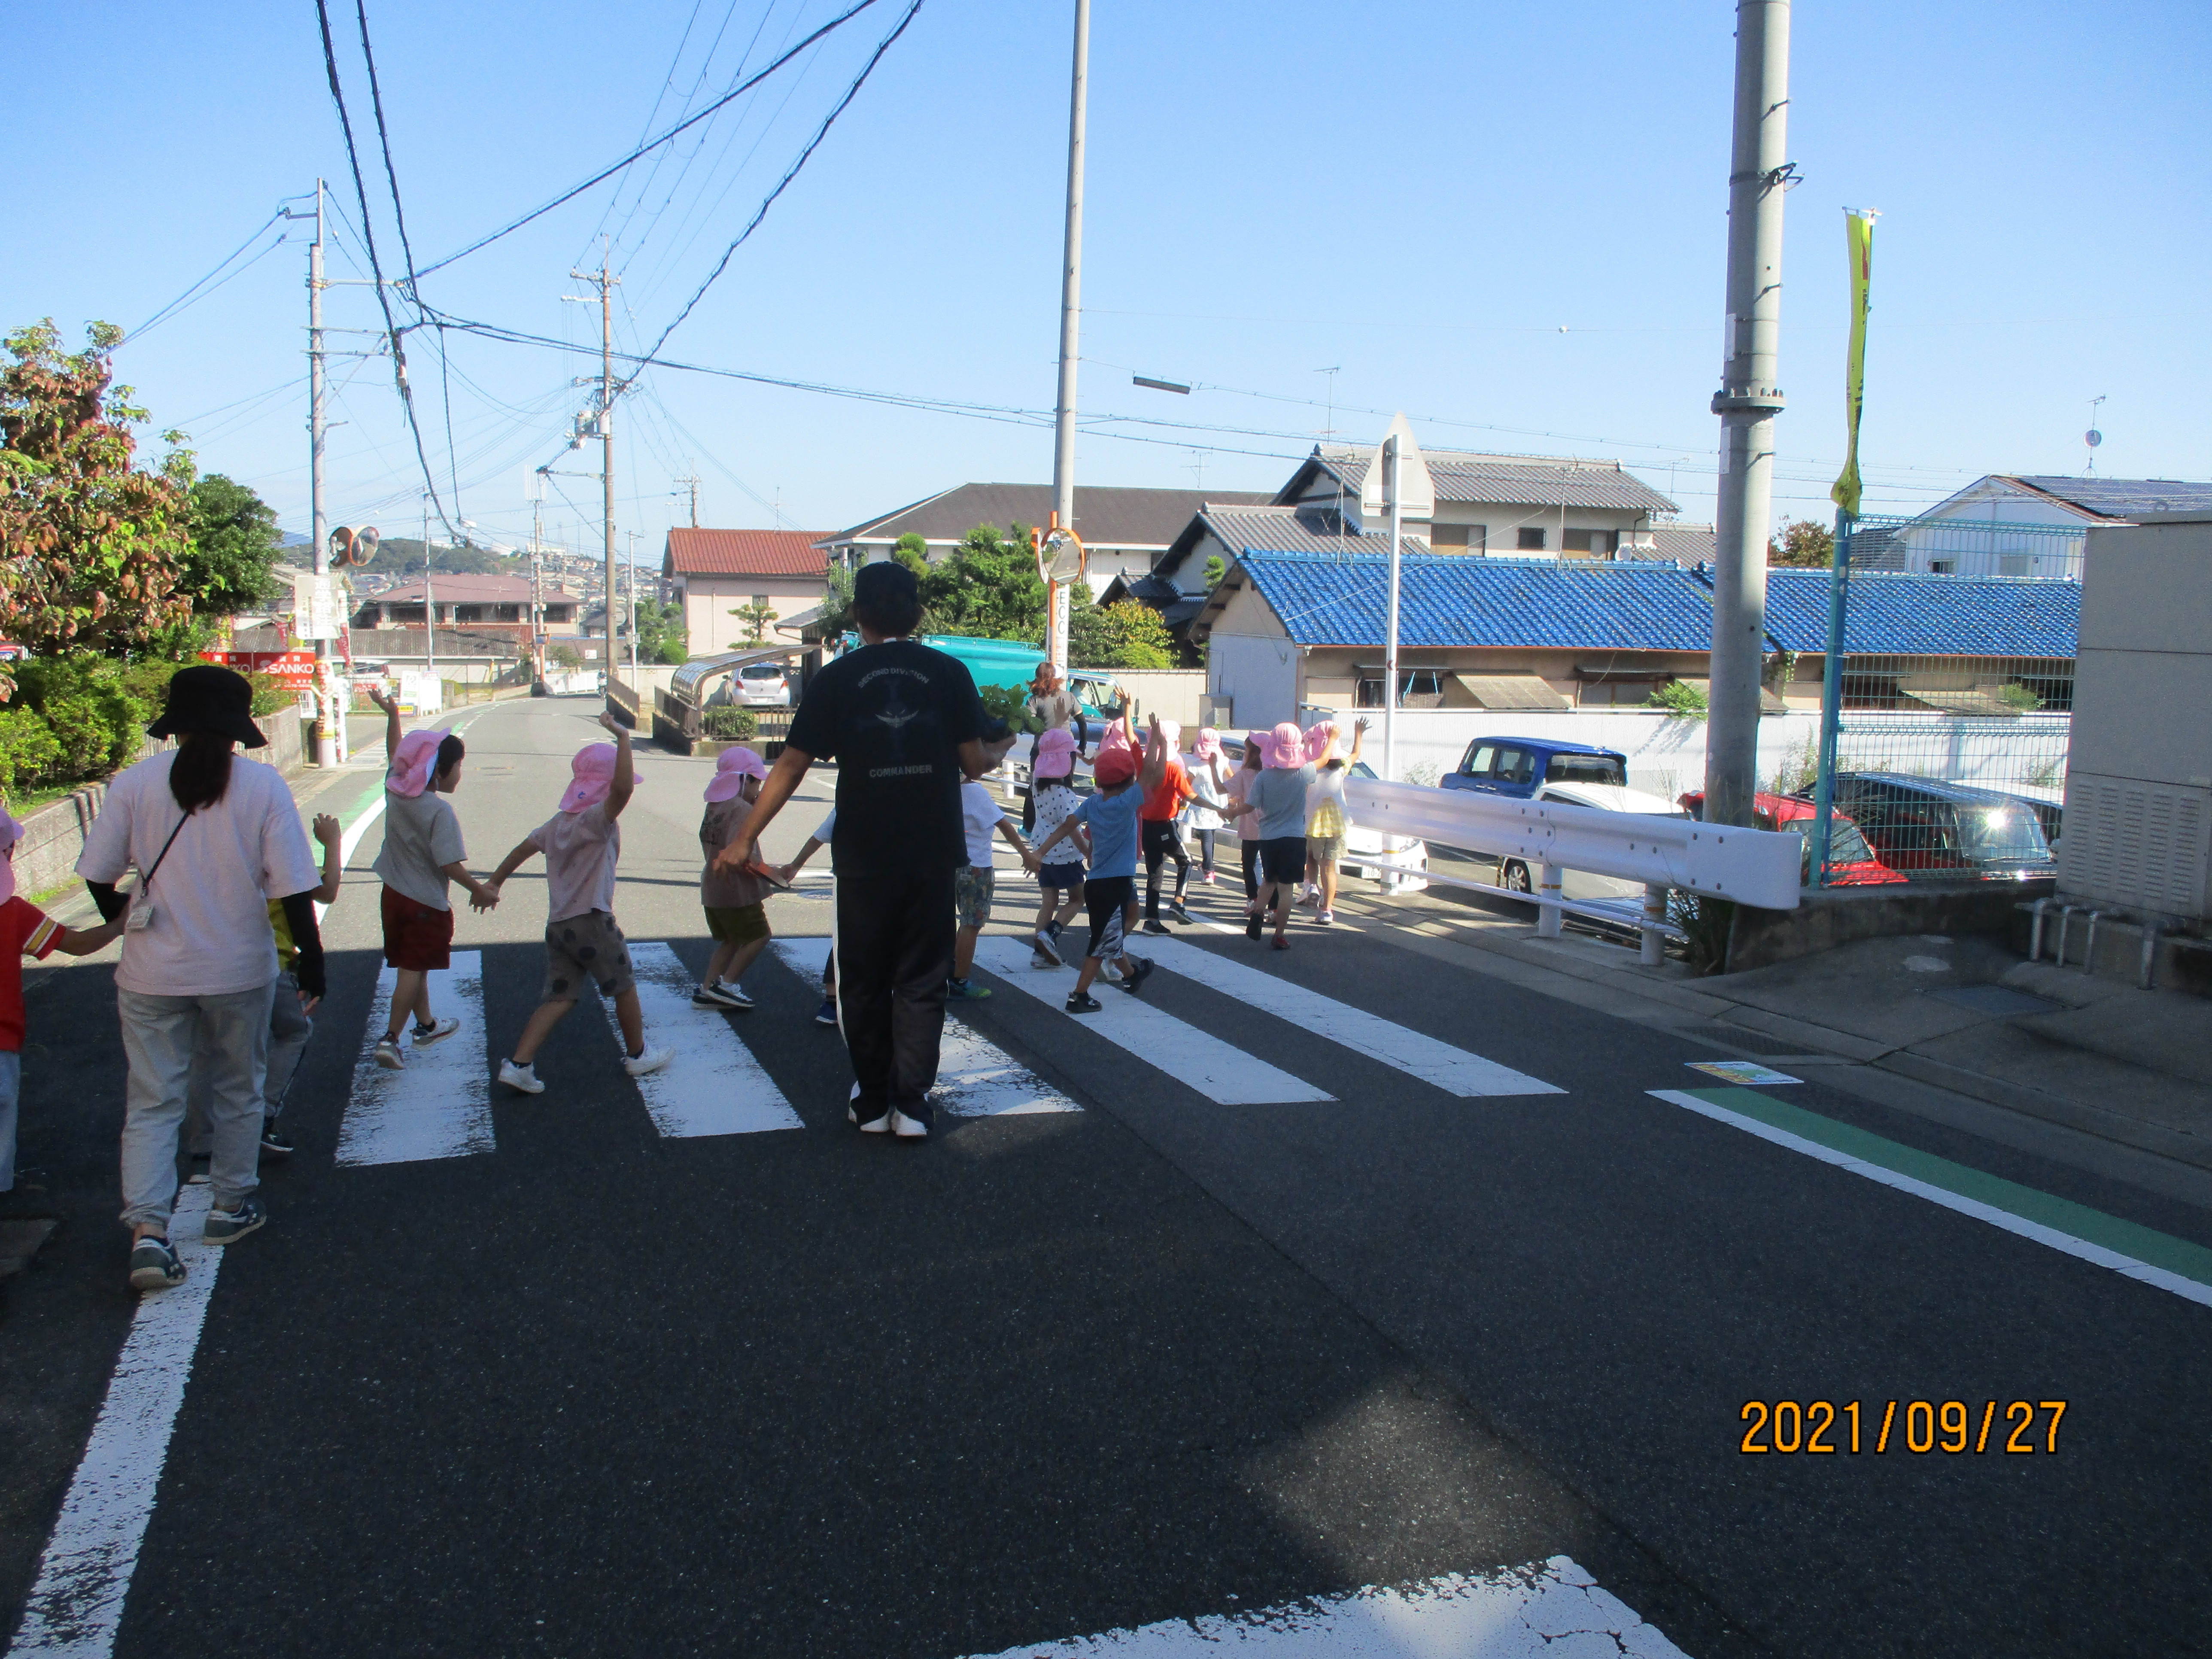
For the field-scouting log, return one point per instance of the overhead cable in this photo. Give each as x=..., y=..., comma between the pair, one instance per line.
x=202, y=288
x=650, y=145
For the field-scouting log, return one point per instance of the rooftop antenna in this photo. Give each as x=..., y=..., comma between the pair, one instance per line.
x=1328, y=432
x=2092, y=437
x=1197, y=465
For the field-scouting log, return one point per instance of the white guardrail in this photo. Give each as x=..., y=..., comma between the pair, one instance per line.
x=1751, y=866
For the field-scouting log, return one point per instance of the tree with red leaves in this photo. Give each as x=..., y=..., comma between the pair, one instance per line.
x=90, y=546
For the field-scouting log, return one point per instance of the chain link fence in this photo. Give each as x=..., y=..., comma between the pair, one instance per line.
x=1947, y=699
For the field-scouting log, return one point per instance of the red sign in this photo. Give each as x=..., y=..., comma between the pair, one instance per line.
x=293, y=670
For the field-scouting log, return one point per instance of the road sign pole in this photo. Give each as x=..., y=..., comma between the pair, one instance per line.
x=1390, y=624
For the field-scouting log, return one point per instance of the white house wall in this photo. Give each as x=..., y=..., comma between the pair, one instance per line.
x=709, y=600
x=1252, y=661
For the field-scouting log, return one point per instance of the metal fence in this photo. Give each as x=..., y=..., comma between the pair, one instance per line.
x=1946, y=712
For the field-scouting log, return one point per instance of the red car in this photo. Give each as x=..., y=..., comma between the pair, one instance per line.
x=1851, y=862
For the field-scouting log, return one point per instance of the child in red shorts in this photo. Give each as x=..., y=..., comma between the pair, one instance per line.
x=422, y=851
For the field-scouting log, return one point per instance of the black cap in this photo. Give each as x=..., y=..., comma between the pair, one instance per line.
x=886, y=584
x=206, y=698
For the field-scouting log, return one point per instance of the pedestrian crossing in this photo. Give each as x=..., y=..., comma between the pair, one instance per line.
x=439, y=1104
x=713, y=1086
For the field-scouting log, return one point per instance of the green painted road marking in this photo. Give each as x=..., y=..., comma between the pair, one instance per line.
x=2127, y=1247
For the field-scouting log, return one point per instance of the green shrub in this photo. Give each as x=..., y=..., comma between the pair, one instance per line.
x=1704, y=923
x=1680, y=699
x=1011, y=704
x=735, y=725
x=27, y=749
x=83, y=737
x=2019, y=699
x=270, y=698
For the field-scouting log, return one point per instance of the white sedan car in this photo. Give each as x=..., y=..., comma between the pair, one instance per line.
x=761, y=685
x=1580, y=884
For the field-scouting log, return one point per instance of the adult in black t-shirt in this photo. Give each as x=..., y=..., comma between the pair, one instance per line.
x=904, y=725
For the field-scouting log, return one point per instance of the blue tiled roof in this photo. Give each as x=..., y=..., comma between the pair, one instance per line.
x=1893, y=613
x=1454, y=599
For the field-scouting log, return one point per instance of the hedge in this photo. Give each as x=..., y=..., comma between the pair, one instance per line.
x=77, y=717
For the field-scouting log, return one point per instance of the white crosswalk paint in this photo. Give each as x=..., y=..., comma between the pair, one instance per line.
x=1552, y=1609
x=439, y=1105
x=1453, y=1070
x=975, y=1077
x=77, y=1603
x=1222, y=1073
x=713, y=1086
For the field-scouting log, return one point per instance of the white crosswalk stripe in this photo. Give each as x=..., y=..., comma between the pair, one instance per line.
x=439, y=1105
x=975, y=1077
x=1453, y=1070
x=1553, y=1609
x=1222, y=1073
x=713, y=1086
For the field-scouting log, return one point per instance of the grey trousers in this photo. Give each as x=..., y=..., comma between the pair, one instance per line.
x=289, y=1028
x=161, y=1037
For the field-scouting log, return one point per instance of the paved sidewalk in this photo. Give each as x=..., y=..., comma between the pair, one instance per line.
x=2089, y=1069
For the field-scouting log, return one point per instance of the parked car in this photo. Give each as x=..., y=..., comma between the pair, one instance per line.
x=1925, y=827
x=1519, y=767
x=1851, y=862
x=761, y=685
x=1581, y=884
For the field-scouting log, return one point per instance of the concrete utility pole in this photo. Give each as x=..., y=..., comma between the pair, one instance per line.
x=330, y=724
x=1747, y=402
x=430, y=604
x=606, y=287
x=1071, y=317
x=1390, y=624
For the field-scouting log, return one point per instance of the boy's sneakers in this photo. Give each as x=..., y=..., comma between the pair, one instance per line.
x=1081, y=1002
x=523, y=1079
x=1055, y=928
x=436, y=1032
x=388, y=1055
x=648, y=1062
x=1207, y=878
x=1326, y=916
x=153, y=1265
x=719, y=993
x=1154, y=925
x=827, y=1013
x=908, y=1128
x=228, y=1227
x=274, y=1143
x=962, y=990
x=876, y=1126
x=1140, y=969
x=1175, y=908
x=1046, y=947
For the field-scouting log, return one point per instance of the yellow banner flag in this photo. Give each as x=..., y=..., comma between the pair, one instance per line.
x=1858, y=236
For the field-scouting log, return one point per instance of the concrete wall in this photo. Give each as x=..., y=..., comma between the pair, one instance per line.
x=1173, y=694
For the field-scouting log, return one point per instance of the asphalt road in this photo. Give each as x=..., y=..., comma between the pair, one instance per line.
x=602, y=1390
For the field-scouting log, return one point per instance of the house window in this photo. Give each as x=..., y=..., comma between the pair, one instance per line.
x=1529, y=541
x=1938, y=567
x=1616, y=693
x=405, y=613
x=1418, y=688
x=2015, y=564
x=557, y=612
x=761, y=600
x=1588, y=543
x=508, y=612
x=467, y=613
x=1460, y=538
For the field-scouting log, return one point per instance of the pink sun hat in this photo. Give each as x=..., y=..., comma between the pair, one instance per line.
x=1320, y=739
x=415, y=759
x=732, y=768
x=1055, y=754
x=11, y=833
x=1208, y=744
x=592, y=777
x=1286, y=747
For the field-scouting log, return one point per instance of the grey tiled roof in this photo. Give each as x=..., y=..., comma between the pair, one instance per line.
x=1685, y=545
x=1281, y=530
x=2123, y=498
x=1105, y=515
x=1511, y=480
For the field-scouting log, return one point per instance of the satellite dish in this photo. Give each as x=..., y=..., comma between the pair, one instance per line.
x=1061, y=555
x=365, y=544
x=2092, y=437
x=340, y=545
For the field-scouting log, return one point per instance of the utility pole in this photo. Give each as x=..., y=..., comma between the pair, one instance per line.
x=1071, y=307
x=1747, y=402
x=691, y=482
x=429, y=606
x=330, y=724
x=537, y=581
x=606, y=282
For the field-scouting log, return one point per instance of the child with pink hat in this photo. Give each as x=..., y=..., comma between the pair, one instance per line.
x=1051, y=794
x=582, y=845
x=735, y=900
x=1277, y=798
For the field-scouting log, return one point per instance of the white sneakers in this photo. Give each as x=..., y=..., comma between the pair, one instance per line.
x=648, y=1062
x=522, y=1078
x=908, y=1128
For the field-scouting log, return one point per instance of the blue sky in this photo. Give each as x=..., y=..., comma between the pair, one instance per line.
x=1419, y=194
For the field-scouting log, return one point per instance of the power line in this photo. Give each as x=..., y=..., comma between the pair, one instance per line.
x=200, y=289
x=645, y=149
x=768, y=201
x=384, y=142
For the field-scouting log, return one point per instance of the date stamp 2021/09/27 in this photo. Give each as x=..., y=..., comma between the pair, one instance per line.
x=2018, y=1427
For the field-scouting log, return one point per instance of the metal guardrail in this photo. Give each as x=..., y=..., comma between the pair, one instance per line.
x=1750, y=866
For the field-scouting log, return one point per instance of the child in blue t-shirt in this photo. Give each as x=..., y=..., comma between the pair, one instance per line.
x=1110, y=893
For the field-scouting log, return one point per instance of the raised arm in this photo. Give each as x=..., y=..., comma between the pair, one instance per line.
x=1358, y=737
x=390, y=704
x=625, y=779
x=1156, y=758
x=327, y=832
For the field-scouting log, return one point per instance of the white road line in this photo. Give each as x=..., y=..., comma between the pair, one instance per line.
x=975, y=1077
x=1552, y=1609
x=353, y=831
x=76, y=1603
x=439, y=1105
x=1224, y=1074
x=713, y=1086
x=2102, y=1255
x=1453, y=1070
